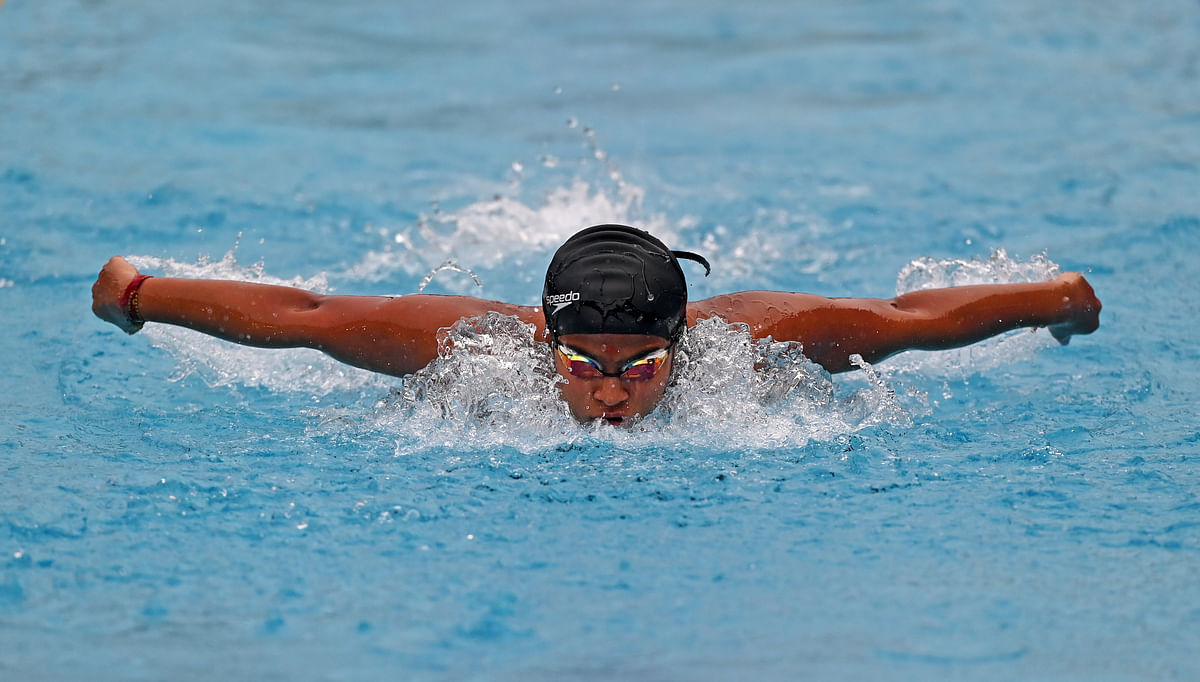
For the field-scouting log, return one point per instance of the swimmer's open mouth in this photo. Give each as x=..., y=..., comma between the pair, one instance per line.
x=615, y=421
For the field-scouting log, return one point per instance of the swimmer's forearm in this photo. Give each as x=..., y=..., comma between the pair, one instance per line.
x=391, y=335
x=251, y=314
x=940, y=319
x=268, y=316
x=957, y=316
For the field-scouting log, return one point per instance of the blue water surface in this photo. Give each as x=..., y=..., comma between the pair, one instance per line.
x=176, y=507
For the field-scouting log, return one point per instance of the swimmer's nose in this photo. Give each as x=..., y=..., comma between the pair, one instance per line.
x=610, y=392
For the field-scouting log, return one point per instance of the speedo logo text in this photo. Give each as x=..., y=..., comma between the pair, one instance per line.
x=560, y=301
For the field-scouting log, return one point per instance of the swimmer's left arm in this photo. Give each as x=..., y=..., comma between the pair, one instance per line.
x=833, y=329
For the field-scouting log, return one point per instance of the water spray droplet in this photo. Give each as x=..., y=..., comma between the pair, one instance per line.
x=448, y=265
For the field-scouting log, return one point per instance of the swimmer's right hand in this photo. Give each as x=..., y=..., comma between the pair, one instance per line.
x=1083, y=306
x=114, y=277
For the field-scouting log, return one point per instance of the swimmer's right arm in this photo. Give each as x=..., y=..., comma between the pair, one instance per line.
x=391, y=335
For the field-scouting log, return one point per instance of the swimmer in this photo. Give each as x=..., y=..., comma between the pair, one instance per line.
x=613, y=307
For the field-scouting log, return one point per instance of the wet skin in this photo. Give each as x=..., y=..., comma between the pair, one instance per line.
x=613, y=399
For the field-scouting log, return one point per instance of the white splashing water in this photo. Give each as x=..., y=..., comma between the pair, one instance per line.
x=999, y=268
x=503, y=233
x=494, y=386
x=773, y=242
x=1006, y=349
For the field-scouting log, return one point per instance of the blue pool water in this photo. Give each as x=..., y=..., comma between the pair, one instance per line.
x=177, y=507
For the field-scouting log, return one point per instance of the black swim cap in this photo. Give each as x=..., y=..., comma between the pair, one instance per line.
x=616, y=279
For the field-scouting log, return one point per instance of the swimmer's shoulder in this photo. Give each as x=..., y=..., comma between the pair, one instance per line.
x=440, y=310
x=754, y=308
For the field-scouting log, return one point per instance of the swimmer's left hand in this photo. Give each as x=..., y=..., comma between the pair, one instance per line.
x=1083, y=308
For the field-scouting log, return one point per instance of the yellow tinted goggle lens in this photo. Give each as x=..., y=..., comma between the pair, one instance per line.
x=643, y=368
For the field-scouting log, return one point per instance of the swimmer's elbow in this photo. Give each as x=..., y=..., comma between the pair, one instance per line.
x=310, y=302
x=901, y=309
x=302, y=319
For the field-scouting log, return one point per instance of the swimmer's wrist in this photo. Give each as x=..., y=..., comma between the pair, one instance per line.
x=129, y=303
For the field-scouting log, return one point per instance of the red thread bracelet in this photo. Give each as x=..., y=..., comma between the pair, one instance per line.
x=128, y=301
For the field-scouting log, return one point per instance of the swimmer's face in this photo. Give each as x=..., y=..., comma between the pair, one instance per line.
x=615, y=399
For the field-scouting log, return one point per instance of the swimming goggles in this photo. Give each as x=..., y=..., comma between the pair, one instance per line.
x=641, y=369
